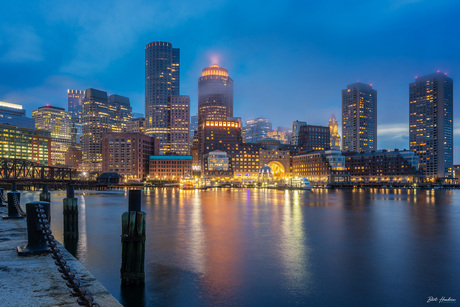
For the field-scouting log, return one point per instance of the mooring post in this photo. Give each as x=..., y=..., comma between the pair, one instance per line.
x=133, y=241
x=36, y=242
x=70, y=214
x=13, y=198
x=2, y=198
x=45, y=195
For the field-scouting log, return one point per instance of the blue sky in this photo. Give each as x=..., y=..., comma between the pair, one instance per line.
x=289, y=59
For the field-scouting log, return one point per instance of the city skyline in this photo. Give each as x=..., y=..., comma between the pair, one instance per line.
x=389, y=63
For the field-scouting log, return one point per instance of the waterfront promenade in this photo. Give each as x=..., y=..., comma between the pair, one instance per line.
x=35, y=280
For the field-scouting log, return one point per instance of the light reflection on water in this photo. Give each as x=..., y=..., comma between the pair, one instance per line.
x=246, y=247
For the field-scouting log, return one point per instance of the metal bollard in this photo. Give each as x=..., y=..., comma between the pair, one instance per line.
x=45, y=195
x=36, y=242
x=133, y=241
x=2, y=196
x=13, y=212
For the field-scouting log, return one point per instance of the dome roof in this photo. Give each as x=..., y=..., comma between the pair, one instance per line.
x=215, y=70
x=265, y=170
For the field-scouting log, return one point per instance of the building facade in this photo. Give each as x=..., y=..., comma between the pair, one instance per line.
x=128, y=154
x=179, y=125
x=75, y=107
x=169, y=167
x=101, y=114
x=59, y=123
x=327, y=166
x=74, y=157
x=15, y=114
x=431, y=124
x=256, y=129
x=313, y=138
x=295, y=131
x=334, y=130
x=359, y=118
x=162, y=79
x=384, y=166
x=25, y=143
x=136, y=125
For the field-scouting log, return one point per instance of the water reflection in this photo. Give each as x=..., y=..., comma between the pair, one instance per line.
x=270, y=247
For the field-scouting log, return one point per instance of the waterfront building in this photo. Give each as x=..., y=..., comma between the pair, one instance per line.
x=136, y=125
x=313, y=138
x=162, y=79
x=24, y=143
x=326, y=166
x=295, y=131
x=169, y=167
x=128, y=154
x=277, y=159
x=101, y=114
x=384, y=166
x=431, y=124
x=359, y=118
x=217, y=165
x=456, y=174
x=256, y=129
x=224, y=135
x=14, y=114
x=334, y=131
x=59, y=123
x=179, y=125
x=74, y=157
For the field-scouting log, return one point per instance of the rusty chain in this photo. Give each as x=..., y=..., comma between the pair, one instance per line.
x=17, y=205
x=84, y=298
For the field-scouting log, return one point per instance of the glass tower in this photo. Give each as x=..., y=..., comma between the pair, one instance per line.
x=162, y=79
x=431, y=124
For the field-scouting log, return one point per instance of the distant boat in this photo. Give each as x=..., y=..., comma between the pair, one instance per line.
x=301, y=183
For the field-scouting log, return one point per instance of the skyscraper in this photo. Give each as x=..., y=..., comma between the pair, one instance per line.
x=179, y=125
x=15, y=114
x=101, y=114
x=334, y=129
x=215, y=99
x=431, y=124
x=193, y=125
x=162, y=79
x=256, y=130
x=59, y=123
x=359, y=118
x=74, y=106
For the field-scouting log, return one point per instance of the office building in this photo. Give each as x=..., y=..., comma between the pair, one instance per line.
x=431, y=124
x=74, y=157
x=162, y=79
x=193, y=125
x=15, y=114
x=334, y=131
x=101, y=114
x=326, y=166
x=359, y=118
x=169, y=167
x=384, y=166
x=284, y=136
x=295, y=131
x=128, y=154
x=136, y=125
x=256, y=130
x=59, y=123
x=74, y=106
x=313, y=138
x=179, y=125
x=24, y=143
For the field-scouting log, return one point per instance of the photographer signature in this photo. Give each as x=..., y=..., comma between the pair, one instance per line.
x=443, y=299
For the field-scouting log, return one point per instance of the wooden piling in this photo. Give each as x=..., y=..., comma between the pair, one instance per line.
x=70, y=215
x=45, y=195
x=133, y=243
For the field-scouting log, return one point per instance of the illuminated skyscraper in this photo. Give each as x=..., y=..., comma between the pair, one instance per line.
x=431, y=124
x=334, y=130
x=162, y=79
x=15, y=114
x=359, y=118
x=74, y=106
x=256, y=130
x=215, y=99
x=101, y=114
x=59, y=123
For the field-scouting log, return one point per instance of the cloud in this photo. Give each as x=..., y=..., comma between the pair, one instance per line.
x=393, y=131
x=20, y=44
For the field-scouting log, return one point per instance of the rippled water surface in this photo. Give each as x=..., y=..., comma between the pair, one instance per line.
x=253, y=247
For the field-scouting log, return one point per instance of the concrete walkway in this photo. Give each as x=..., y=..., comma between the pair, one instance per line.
x=35, y=280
